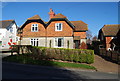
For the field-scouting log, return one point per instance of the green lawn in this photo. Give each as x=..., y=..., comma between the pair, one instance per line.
x=25, y=59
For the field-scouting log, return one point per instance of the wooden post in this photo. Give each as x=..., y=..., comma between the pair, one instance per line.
x=18, y=50
x=118, y=57
x=11, y=52
x=111, y=55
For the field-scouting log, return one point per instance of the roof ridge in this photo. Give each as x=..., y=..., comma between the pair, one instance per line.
x=59, y=15
x=7, y=20
x=79, y=21
x=34, y=17
x=110, y=24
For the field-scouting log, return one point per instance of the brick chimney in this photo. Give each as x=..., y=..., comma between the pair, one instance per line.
x=51, y=13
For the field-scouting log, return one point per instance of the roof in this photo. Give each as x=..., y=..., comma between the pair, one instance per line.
x=76, y=25
x=34, y=17
x=5, y=23
x=76, y=38
x=61, y=19
x=59, y=15
x=79, y=25
x=110, y=30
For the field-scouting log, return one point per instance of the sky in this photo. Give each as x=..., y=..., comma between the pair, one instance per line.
x=95, y=14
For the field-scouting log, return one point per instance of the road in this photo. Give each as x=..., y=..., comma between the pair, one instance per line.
x=22, y=71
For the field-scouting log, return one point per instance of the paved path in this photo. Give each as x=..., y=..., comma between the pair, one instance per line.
x=22, y=71
x=105, y=66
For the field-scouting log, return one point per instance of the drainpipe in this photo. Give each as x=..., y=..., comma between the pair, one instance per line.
x=46, y=38
x=114, y=46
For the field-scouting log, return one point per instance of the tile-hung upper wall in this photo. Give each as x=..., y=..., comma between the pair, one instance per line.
x=66, y=30
x=27, y=30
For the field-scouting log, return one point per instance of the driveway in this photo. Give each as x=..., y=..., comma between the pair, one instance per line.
x=105, y=66
x=22, y=71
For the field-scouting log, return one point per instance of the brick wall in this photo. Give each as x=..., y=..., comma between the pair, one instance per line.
x=108, y=40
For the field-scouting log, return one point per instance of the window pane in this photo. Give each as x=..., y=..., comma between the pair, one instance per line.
x=59, y=26
x=32, y=28
x=37, y=43
x=36, y=28
x=59, y=42
x=34, y=43
x=36, y=25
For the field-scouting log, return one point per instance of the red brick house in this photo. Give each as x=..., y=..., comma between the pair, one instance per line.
x=58, y=32
x=108, y=36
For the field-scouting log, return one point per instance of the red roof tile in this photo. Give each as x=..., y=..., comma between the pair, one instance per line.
x=59, y=16
x=80, y=25
x=34, y=17
x=111, y=30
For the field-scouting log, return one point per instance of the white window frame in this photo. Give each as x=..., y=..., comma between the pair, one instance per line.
x=56, y=26
x=11, y=29
x=35, y=41
x=34, y=27
x=56, y=39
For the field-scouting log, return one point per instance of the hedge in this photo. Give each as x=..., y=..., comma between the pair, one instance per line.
x=73, y=55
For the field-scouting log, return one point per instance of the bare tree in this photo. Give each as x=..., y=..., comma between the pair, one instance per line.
x=89, y=37
x=94, y=38
x=89, y=34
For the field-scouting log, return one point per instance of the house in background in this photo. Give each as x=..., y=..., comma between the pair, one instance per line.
x=58, y=32
x=108, y=36
x=8, y=31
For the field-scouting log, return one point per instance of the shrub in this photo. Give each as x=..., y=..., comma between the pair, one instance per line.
x=82, y=57
x=76, y=55
x=90, y=58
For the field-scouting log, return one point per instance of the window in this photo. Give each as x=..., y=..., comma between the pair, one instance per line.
x=0, y=43
x=11, y=29
x=59, y=42
x=58, y=26
x=34, y=28
x=34, y=42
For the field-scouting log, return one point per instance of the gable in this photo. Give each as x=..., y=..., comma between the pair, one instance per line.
x=66, y=29
x=35, y=18
x=6, y=23
x=79, y=26
x=31, y=21
x=60, y=19
x=110, y=30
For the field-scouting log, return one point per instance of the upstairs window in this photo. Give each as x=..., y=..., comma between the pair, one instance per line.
x=58, y=26
x=11, y=29
x=34, y=28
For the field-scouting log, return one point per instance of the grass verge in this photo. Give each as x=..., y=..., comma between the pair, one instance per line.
x=25, y=59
